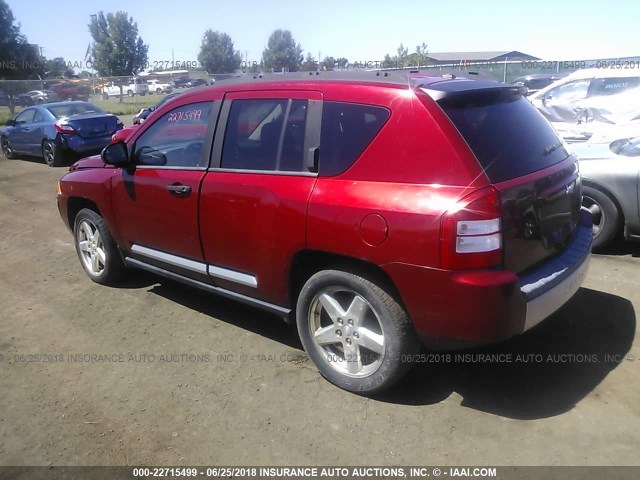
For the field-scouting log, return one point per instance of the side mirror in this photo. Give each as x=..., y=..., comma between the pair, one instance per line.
x=11, y=123
x=116, y=154
x=151, y=156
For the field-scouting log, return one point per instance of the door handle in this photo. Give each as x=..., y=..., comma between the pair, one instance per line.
x=179, y=189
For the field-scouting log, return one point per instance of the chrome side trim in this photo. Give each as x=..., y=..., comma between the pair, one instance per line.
x=174, y=260
x=277, y=309
x=544, y=305
x=233, y=276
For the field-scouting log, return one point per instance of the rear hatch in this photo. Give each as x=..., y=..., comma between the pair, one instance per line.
x=524, y=159
x=92, y=125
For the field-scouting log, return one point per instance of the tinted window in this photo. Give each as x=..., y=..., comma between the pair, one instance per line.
x=26, y=116
x=507, y=134
x=265, y=134
x=612, y=86
x=176, y=138
x=38, y=117
x=347, y=129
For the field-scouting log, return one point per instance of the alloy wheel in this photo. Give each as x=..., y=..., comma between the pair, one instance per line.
x=347, y=332
x=92, y=251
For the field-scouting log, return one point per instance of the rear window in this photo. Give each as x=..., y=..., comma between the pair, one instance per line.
x=70, y=109
x=347, y=129
x=507, y=134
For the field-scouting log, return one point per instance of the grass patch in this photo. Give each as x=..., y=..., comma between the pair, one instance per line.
x=129, y=106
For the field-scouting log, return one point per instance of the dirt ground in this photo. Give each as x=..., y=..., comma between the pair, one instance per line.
x=155, y=373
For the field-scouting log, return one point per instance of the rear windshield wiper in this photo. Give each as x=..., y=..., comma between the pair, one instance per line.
x=552, y=148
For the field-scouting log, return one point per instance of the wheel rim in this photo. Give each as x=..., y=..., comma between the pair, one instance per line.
x=48, y=152
x=347, y=332
x=6, y=147
x=91, y=248
x=597, y=214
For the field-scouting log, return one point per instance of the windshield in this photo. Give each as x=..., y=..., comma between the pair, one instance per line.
x=508, y=136
x=72, y=109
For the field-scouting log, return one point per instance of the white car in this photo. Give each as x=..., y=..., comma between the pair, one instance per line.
x=155, y=86
x=138, y=86
x=589, y=100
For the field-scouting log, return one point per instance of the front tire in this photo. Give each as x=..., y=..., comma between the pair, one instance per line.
x=130, y=93
x=7, y=149
x=605, y=214
x=52, y=154
x=356, y=333
x=96, y=249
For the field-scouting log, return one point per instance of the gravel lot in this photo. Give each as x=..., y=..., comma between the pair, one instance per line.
x=181, y=377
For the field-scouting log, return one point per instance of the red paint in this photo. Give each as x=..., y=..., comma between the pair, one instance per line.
x=386, y=209
x=374, y=230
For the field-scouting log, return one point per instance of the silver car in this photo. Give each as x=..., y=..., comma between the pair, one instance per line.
x=611, y=187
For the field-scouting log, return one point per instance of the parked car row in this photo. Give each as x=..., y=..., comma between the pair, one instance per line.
x=55, y=131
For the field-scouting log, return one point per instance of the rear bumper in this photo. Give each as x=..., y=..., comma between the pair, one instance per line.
x=451, y=310
x=84, y=146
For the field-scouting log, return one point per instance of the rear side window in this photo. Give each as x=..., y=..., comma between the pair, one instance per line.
x=612, y=86
x=347, y=129
x=507, y=134
x=265, y=135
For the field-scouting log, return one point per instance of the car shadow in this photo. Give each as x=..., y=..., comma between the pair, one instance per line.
x=620, y=247
x=542, y=373
x=235, y=313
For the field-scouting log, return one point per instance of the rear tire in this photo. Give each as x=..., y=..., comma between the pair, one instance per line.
x=96, y=249
x=356, y=333
x=605, y=213
x=52, y=154
x=130, y=93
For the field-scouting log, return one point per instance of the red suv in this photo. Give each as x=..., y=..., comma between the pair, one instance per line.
x=377, y=210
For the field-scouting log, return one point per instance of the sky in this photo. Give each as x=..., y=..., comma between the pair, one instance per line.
x=360, y=31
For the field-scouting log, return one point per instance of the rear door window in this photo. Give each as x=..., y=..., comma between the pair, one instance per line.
x=508, y=135
x=347, y=129
x=613, y=86
x=265, y=135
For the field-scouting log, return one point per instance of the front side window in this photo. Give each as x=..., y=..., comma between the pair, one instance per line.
x=176, y=138
x=570, y=92
x=265, y=135
x=26, y=116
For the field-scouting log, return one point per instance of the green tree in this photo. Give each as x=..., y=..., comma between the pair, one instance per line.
x=217, y=54
x=329, y=63
x=19, y=60
x=310, y=63
x=402, y=53
x=57, y=68
x=117, y=48
x=282, y=52
x=342, y=62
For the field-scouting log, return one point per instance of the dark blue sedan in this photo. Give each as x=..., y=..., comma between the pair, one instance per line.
x=56, y=130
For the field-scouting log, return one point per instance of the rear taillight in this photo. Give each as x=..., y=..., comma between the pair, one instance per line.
x=64, y=128
x=471, y=235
